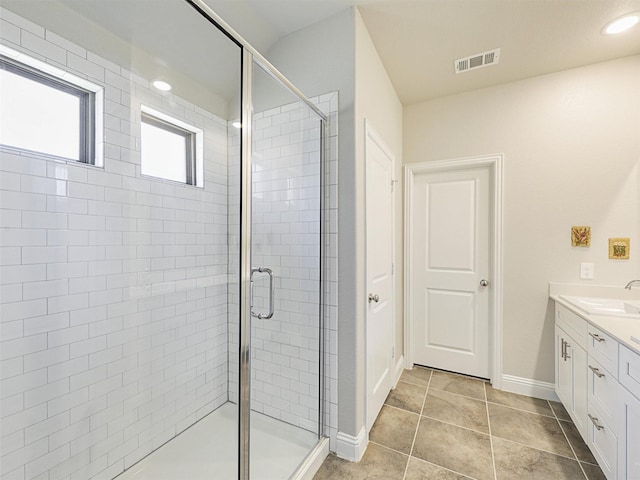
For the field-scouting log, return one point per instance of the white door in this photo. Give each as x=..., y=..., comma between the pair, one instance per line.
x=379, y=327
x=450, y=279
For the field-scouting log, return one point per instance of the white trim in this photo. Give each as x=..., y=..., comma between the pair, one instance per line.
x=371, y=133
x=313, y=462
x=81, y=83
x=495, y=162
x=49, y=69
x=198, y=134
x=399, y=370
x=351, y=448
x=529, y=387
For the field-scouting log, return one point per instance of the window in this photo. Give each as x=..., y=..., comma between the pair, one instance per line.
x=171, y=149
x=46, y=110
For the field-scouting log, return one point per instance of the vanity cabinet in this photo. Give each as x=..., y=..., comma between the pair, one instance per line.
x=598, y=382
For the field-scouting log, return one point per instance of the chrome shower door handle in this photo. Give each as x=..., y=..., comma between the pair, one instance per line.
x=269, y=272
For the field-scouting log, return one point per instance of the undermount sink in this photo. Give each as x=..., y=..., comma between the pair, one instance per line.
x=605, y=306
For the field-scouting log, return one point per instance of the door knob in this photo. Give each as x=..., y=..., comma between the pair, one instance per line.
x=374, y=298
x=484, y=283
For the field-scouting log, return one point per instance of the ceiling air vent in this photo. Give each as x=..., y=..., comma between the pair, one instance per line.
x=478, y=60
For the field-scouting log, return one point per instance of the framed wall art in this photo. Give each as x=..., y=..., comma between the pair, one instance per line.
x=619, y=248
x=580, y=236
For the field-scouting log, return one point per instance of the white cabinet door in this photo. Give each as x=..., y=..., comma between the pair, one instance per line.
x=571, y=378
x=563, y=370
x=579, y=376
x=629, y=436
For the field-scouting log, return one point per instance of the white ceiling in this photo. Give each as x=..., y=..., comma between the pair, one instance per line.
x=419, y=40
x=139, y=38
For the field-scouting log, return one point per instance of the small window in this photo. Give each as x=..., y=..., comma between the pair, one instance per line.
x=171, y=149
x=42, y=113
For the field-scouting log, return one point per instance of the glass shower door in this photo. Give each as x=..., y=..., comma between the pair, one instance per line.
x=285, y=279
x=132, y=246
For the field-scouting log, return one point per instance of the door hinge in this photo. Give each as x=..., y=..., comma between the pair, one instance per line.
x=393, y=269
x=393, y=352
x=393, y=182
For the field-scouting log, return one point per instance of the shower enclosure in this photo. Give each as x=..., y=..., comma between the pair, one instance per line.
x=161, y=212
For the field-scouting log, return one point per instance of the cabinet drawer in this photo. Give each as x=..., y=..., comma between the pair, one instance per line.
x=630, y=370
x=603, y=391
x=603, y=442
x=573, y=324
x=603, y=348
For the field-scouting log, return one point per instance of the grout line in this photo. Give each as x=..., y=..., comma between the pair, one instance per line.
x=461, y=395
x=570, y=445
x=536, y=448
x=389, y=448
x=521, y=410
x=493, y=456
x=455, y=425
x=456, y=374
x=445, y=468
x=415, y=434
x=416, y=384
x=401, y=409
x=410, y=383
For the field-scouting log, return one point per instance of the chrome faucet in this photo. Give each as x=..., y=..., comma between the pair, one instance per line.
x=628, y=285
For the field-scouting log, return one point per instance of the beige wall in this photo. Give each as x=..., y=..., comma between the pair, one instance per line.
x=377, y=102
x=571, y=143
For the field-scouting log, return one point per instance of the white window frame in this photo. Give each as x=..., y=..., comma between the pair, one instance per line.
x=195, y=144
x=92, y=126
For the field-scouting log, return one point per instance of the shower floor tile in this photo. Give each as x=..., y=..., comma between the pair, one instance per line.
x=209, y=450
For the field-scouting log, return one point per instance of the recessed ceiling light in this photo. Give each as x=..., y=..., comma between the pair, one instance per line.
x=162, y=86
x=622, y=24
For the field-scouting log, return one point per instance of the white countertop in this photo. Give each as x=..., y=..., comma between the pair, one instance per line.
x=621, y=328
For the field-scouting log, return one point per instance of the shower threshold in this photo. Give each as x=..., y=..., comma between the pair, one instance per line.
x=208, y=450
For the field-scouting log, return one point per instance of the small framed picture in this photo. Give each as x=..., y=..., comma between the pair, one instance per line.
x=619, y=248
x=580, y=236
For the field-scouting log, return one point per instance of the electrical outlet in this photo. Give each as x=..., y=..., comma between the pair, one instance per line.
x=586, y=271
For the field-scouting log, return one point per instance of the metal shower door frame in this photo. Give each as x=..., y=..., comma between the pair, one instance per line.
x=250, y=57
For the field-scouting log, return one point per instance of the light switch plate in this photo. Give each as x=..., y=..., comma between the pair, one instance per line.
x=586, y=271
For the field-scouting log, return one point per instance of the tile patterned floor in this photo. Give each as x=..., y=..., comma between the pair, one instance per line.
x=442, y=426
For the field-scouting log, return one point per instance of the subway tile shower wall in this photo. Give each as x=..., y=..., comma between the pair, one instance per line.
x=119, y=293
x=114, y=288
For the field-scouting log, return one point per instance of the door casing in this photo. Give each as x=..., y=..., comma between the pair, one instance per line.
x=495, y=164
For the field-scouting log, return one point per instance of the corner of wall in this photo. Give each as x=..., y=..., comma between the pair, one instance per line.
x=351, y=448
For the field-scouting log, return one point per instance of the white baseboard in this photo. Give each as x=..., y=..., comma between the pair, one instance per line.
x=351, y=448
x=529, y=387
x=399, y=370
